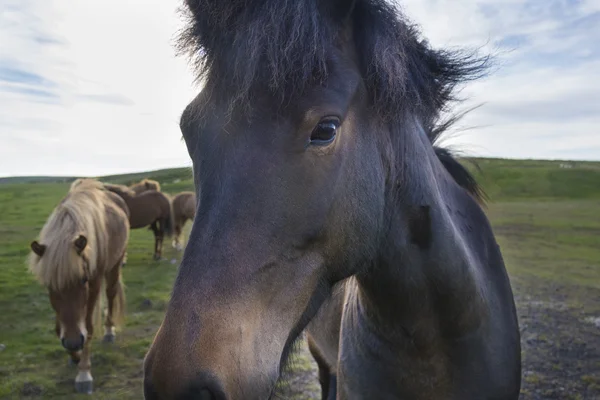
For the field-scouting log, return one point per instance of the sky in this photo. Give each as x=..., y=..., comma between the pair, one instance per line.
x=93, y=87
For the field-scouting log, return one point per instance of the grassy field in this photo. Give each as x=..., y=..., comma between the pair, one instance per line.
x=546, y=217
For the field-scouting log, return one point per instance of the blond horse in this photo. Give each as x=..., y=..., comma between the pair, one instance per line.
x=184, y=208
x=82, y=245
x=145, y=184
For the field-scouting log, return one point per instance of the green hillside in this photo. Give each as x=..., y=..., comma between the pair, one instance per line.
x=505, y=180
x=502, y=179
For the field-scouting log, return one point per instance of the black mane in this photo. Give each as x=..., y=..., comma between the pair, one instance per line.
x=281, y=46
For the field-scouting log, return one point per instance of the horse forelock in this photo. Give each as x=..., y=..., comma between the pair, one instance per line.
x=403, y=75
x=82, y=212
x=293, y=38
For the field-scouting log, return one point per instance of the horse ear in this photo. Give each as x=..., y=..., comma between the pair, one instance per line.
x=80, y=244
x=38, y=248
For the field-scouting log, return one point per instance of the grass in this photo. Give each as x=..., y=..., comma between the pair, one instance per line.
x=545, y=218
x=550, y=239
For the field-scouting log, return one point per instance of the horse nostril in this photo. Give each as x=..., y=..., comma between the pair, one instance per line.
x=206, y=394
x=73, y=345
x=207, y=389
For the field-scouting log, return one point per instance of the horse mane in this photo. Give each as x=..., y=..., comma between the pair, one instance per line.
x=449, y=158
x=93, y=183
x=87, y=182
x=152, y=182
x=144, y=182
x=121, y=190
x=81, y=212
x=281, y=47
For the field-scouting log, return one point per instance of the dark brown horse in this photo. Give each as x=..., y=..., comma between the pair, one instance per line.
x=149, y=208
x=184, y=209
x=313, y=145
x=81, y=245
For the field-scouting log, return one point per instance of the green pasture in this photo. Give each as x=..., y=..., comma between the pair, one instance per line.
x=546, y=217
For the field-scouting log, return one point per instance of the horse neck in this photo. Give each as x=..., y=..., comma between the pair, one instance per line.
x=424, y=285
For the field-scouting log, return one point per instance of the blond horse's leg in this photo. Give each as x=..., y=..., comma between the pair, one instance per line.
x=113, y=286
x=84, y=382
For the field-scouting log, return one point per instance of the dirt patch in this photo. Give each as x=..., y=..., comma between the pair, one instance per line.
x=561, y=350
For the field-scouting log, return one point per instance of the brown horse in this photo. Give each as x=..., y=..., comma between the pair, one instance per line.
x=184, y=208
x=148, y=208
x=312, y=144
x=81, y=245
x=144, y=185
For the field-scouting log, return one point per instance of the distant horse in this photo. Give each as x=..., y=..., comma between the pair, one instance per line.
x=145, y=184
x=313, y=144
x=81, y=245
x=148, y=208
x=184, y=208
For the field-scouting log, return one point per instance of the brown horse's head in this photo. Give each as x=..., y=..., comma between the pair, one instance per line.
x=295, y=156
x=68, y=291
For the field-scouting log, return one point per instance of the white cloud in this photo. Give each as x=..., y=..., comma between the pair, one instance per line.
x=115, y=89
x=543, y=98
x=103, y=90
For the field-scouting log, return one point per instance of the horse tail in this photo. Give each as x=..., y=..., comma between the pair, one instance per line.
x=169, y=221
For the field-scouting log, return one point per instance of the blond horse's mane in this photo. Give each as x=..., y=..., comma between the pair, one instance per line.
x=91, y=182
x=81, y=212
x=121, y=190
x=144, y=184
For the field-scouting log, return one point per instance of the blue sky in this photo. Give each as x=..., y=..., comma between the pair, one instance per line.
x=93, y=87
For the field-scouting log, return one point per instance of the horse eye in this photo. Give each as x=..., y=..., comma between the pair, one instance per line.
x=324, y=132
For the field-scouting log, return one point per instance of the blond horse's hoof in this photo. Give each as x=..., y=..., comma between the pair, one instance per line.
x=85, y=387
x=108, y=338
x=84, y=383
